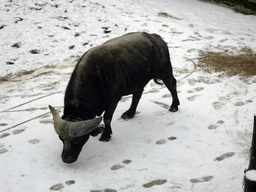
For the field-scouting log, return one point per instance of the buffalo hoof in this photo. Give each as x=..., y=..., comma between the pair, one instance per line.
x=127, y=115
x=105, y=138
x=173, y=109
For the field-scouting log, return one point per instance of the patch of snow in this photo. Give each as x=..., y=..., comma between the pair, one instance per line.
x=251, y=175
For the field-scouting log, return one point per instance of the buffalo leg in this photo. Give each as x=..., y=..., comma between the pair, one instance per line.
x=132, y=110
x=170, y=83
x=106, y=135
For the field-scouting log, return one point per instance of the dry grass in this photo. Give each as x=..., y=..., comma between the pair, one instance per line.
x=242, y=63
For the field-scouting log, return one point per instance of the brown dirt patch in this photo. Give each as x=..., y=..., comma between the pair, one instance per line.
x=241, y=63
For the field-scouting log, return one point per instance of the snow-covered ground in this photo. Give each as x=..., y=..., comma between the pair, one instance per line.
x=202, y=147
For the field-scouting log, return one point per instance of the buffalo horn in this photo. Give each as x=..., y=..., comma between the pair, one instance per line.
x=67, y=129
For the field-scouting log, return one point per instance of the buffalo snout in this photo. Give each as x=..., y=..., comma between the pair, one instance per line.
x=72, y=148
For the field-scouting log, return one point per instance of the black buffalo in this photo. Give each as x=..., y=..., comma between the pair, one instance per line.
x=104, y=74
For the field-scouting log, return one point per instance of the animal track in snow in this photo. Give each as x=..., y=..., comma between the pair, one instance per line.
x=119, y=166
x=163, y=141
x=60, y=186
x=155, y=182
x=34, y=141
x=192, y=98
x=127, y=161
x=4, y=135
x=199, y=89
x=18, y=131
x=218, y=105
x=224, y=156
x=241, y=103
x=116, y=167
x=214, y=126
x=172, y=138
x=105, y=190
x=161, y=104
x=70, y=182
x=46, y=121
x=202, y=179
x=220, y=122
x=167, y=95
x=3, y=151
x=57, y=187
x=160, y=142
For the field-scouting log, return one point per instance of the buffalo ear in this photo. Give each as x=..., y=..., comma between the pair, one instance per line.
x=97, y=131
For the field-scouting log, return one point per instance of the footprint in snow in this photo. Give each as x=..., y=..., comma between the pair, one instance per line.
x=218, y=105
x=172, y=138
x=155, y=182
x=105, y=190
x=199, y=89
x=161, y=104
x=220, y=122
x=70, y=182
x=192, y=98
x=46, y=121
x=60, y=186
x=163, y=141
x=202, y=179
x=166, y=95
x=18, y=131
x=239, y=103
x=34, y=141
x=160, y=142
x=242, y=103
x=119, y=166
x=4, y=135
x=224, y=156
x=214, y=126
x=116, y=167
x=127, y=161
x=3, y=151
x=57, y=187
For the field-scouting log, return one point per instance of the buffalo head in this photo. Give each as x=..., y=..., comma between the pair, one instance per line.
x=74, y=134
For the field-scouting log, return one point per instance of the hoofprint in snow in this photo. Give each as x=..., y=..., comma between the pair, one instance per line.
x=202, y=147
